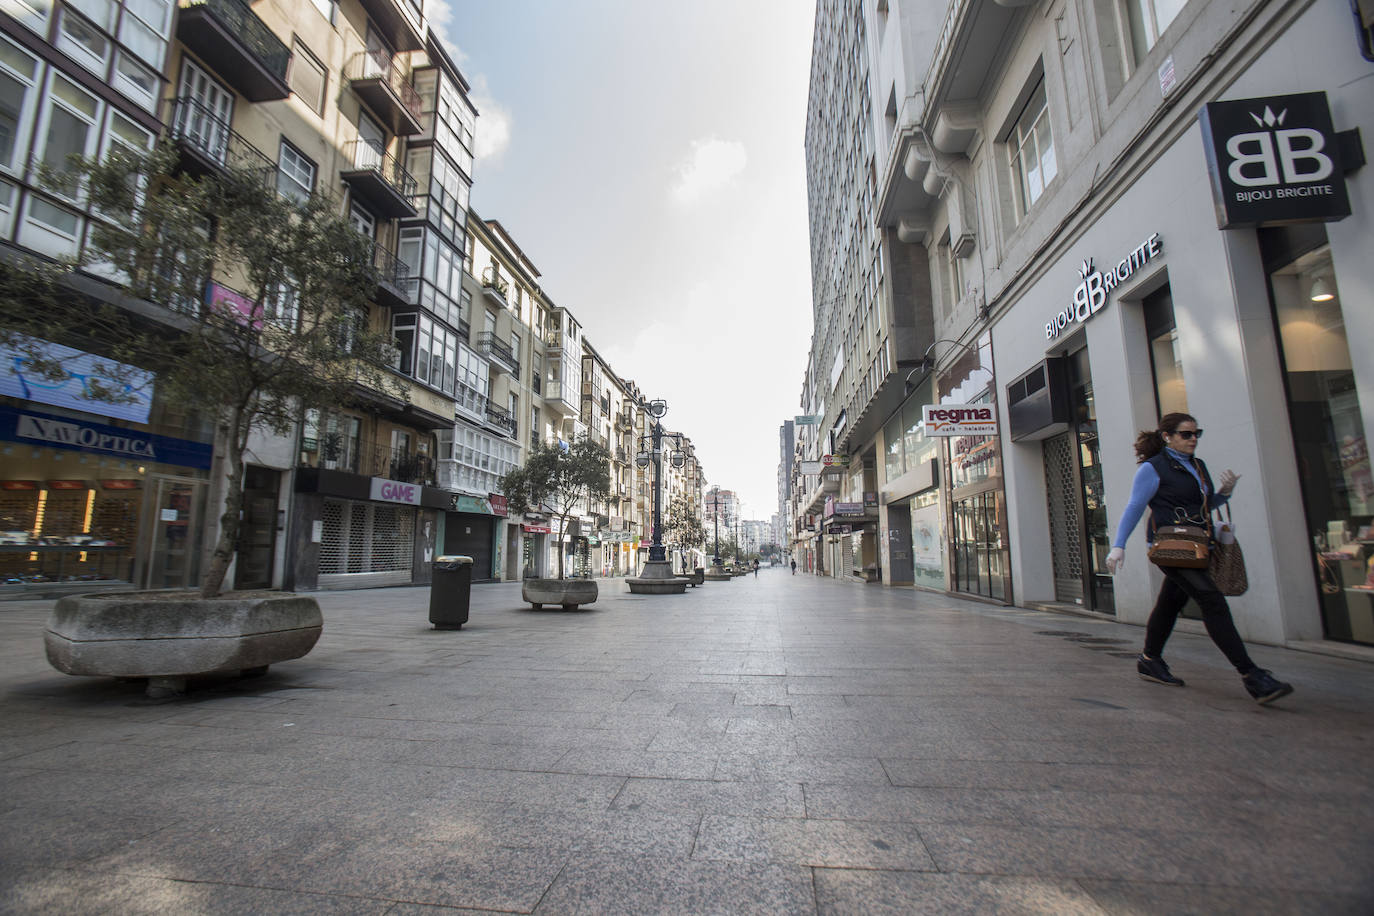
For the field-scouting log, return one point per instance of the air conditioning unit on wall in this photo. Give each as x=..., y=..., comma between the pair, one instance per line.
x=1038, y=401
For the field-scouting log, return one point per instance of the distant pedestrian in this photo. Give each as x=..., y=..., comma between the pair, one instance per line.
x=756, y=568
x=794, y=567
x=1175, y=486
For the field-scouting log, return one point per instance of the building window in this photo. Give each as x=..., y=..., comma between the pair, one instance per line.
x=71, y=130
x=18, y=72
x=1031, y=147
x=50, y=229
x=295, y=173
x=136, y=82
x=1166, y=362
x=84, y=43
x=308, y=79
x=1147, y=21
x=33, y=13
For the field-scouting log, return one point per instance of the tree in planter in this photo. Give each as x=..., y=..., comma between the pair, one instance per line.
x=285, y=330
x=558, y=477
x=682, y=529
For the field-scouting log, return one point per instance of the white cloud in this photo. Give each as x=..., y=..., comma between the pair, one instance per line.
x=494, y=123
x=710, y=165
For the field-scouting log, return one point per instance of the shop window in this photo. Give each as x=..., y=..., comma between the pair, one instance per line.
x=1327, y=424
x=1166, y=362
x=1030, y=148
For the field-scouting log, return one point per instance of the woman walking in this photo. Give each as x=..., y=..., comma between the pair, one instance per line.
x=1175, y=486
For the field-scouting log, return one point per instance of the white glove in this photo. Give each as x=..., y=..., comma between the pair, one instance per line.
x=1116, y=560
x=1228, y=482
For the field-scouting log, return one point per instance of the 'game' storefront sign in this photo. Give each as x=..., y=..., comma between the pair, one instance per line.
x=1274, y=160
x=1091, y=294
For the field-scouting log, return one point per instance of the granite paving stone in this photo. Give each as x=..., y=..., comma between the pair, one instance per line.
x=855, y=892
x=777, y=745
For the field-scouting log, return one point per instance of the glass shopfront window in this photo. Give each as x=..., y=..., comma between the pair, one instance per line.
x=1327, y=423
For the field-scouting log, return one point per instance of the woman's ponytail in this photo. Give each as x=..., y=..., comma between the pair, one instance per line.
x=1150, y=442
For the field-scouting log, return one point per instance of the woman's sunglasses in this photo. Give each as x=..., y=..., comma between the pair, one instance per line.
x=1189, y=433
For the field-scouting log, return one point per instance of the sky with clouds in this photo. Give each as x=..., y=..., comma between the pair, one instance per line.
x=649, y=159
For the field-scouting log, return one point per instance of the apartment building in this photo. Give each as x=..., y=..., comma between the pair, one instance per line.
x=1126, y=210
x=81, y=80
x=871, y=300
x=326, y=98
x=787, y=446
x=378, y=117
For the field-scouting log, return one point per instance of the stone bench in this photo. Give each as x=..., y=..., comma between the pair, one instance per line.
x=168, y=638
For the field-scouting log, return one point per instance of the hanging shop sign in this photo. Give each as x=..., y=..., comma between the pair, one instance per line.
x=959, y=420
x=499, y=504
x=393, y=491
x=536, y=529
x=811, y=419
x=1274, y=160
x=88, y=383
x=1091, y=294
x=835, y=461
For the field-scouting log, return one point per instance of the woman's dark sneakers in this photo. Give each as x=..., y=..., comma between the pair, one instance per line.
x=1154, y=669
x=1264, y=687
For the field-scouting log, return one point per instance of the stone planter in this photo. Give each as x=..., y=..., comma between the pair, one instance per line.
x=566, y=592
x=170, y=637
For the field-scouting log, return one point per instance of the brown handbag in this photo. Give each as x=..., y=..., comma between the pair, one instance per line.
x=1227, y=567
x=1181, y=545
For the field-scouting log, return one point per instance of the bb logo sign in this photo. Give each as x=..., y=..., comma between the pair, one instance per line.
x=1274, y=160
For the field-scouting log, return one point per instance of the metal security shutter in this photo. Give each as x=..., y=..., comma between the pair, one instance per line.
x=366, y=544
x=1065, y=526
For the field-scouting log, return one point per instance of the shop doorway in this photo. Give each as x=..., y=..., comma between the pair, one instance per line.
x=173, y=531
x=258, y=531
x=1077, y=512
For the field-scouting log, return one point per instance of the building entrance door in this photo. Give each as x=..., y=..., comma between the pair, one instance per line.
x=257, y=530
x=172, y=545
x=1077, y=511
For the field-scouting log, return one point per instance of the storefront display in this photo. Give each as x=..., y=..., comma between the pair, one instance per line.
x=87, y=501
x=1327, y=423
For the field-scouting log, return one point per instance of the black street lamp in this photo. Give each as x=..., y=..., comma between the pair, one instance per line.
x=657, y=576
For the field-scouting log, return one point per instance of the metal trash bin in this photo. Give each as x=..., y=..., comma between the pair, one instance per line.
x=450, y=592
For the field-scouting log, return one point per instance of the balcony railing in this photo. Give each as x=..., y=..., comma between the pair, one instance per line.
x=380, y=178
x=495, y=286
x=338, y=453
x=229, y=36
x=384, y=84
x=393, y=274
x=501, y=419
x=210, y=139
x=498, y=351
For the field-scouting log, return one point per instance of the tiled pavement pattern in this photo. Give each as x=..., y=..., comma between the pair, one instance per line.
x=776, y=744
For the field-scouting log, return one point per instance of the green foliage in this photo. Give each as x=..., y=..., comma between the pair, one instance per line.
x=681, y=527
x=555, y=479
x=295, y=335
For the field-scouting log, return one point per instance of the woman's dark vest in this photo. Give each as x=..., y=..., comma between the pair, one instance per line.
x=1178, y=489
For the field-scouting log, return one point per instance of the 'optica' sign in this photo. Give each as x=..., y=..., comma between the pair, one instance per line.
x=393, y=491
x=959, y=420
x=1091, y=294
